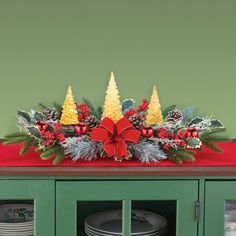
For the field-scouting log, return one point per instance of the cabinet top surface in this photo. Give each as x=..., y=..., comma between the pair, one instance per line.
x=119, y=171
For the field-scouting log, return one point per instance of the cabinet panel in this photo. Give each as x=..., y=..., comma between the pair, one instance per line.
x=40, y=193
x=178, y=197
x=220, y=208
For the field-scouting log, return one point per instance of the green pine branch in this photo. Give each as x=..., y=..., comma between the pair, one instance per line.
x=21, y=137
x=180, y=155
x=32, y=142
x=59, y=157
x=209, y=138
x=215, y=138
x=17, y=139
x=57, y=106
x=56, y=151
x=42, y=106
x=213, y=146
x=176, y=159
x=50, y=152
x=16, y=135
x=184, y=155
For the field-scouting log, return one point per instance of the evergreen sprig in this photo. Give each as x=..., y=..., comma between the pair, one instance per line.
x=209, y=138
x=30, y=143
x=57, y=106
x=55, y=151
x=50, y=151
x=17, y=138
x=180, y=155
x=213, y=146
x=59, y=157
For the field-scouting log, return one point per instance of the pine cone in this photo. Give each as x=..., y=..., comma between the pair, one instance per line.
x=174, y=116
x=91, y=121
x=137, y=121
x=51, y=114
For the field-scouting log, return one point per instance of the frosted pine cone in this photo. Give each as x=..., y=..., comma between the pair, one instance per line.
x=137, y=121
x=174, y=116
x=51, y=114
x=91, y=121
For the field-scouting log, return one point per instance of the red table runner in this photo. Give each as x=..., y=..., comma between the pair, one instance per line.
x=9, y=156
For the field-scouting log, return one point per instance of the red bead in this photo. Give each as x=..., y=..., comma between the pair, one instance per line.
x=191, y=133
x=56, y=126
x=41, y=125
x=166, y=146
x=61, y=137
x=147, y=131
x=162, y=133
x=81, y=129
x=181, y=134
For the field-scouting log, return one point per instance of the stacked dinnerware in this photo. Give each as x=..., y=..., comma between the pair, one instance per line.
x=109, y=223
x=16, y=220
x=230, y=218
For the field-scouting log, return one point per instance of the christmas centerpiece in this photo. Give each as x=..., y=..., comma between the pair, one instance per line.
x=118, y=130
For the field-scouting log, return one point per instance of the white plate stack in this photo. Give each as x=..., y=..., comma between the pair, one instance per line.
x=16, y=220
x=230, y=218
x=109, y=223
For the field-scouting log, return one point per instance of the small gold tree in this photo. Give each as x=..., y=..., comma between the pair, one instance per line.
x=69, y=113
x=112, y=106
x=154, y=114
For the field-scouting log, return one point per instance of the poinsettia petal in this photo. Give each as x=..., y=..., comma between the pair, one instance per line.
x=122, y=125
x=99, y=134
x=131, y=135
x=109, y=147
x=120, y=148
x=107, y=124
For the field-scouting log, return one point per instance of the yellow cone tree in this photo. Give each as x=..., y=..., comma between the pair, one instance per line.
x=112, y=106
x=154, y=114
x=69, y=113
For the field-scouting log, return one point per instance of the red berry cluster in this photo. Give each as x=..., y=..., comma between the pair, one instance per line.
x=83, y=111
x=142, y=108
x=163, y=133
x=49, y=136
x=178, y=138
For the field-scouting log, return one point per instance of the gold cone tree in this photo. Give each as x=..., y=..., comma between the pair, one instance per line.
x=154, y=114
x=69, y=113
x=112, y=106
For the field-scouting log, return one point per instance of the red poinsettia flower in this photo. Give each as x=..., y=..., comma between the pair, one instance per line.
x=114, y=136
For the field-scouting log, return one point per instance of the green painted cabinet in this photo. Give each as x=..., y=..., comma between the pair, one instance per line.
x=175, y=199
x=39, y=192
x=192, y=205
x=217, y=195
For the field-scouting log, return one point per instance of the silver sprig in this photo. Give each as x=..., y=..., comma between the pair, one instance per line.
x=81, y=149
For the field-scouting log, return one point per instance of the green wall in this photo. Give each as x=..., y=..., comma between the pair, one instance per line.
x=186, y=47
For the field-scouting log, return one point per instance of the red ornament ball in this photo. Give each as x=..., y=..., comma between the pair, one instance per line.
x=191, y=133
x=147, y=131
x=81, y=129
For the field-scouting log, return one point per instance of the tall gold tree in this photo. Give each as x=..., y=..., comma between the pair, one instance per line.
x=69, y=113
x=112, y=106
x=154, y=113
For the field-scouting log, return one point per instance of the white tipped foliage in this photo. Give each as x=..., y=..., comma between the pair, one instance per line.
x=148, y=152
x=81, y=149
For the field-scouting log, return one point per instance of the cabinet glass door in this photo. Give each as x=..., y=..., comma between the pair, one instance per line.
x=113, y=208
x=220, y=208
x=27, y=208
